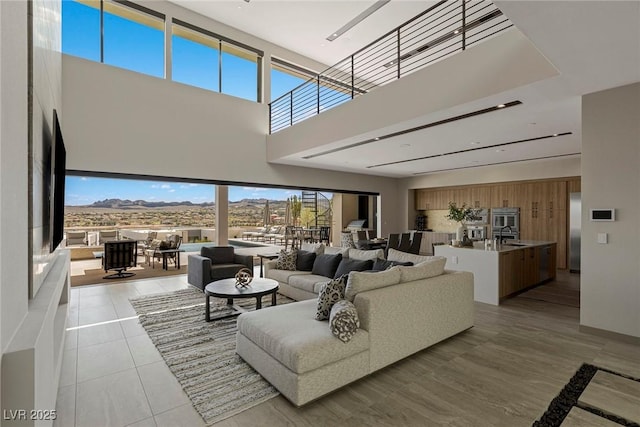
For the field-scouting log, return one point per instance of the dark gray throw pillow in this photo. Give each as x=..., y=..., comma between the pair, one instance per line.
x=305, y=260
x=348, y=264
x=326, y=265
x=382, y=264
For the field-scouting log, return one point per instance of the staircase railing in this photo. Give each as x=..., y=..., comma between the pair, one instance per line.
x=445, y=28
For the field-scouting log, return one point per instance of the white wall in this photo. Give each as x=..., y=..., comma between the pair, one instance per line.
x=124, y=122
x=610, y=281
x=14, y=249
x=47, y=95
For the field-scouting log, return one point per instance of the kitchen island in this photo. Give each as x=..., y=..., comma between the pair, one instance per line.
x=504, y=270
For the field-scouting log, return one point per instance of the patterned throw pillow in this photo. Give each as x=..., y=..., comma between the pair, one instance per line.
x=330, y=293
x=343, y=320
x=287, y=260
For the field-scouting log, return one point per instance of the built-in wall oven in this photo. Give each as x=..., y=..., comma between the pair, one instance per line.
x=477, y=232
x=505, y=217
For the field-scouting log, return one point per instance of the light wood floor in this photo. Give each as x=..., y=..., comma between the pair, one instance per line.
x=564, y=290
x=503, y=372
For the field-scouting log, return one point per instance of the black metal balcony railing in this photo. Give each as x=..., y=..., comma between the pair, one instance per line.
x=443, y=29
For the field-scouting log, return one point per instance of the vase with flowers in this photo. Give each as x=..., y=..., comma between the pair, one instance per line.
x=460, y=214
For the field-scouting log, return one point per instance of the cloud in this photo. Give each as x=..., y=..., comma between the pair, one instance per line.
x=165, y=186
x=84, y=178
x=254, y=189
x=155, y=186
x=194, y=185
x=172, y=191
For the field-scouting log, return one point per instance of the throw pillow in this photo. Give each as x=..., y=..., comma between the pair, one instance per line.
x=286, y=260
x=343, y=320
x=382, y=264
x=330, y=293
x=395, y=255
x=348, y=264
x=424, y=270
x=326, y=265
x=318, y=248
x=366, y=254
x=332, y=250
x=304, y=260
x=361, y=281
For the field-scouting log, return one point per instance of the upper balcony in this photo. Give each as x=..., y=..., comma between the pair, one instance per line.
x=437, y=33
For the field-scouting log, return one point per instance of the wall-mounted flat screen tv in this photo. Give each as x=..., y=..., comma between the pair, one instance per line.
x=58, y=173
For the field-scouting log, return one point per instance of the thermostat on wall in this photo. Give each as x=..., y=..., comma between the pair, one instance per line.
x=603, y=214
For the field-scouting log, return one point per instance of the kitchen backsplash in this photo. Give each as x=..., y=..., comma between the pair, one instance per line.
x=437, y=221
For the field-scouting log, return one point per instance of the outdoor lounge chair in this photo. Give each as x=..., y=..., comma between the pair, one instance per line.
x=107, y=235
x=120, y=255
x=76, y=238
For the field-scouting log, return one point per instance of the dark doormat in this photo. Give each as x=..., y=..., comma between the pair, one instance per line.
x=570, y=398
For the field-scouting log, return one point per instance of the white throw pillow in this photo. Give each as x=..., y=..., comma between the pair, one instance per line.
x=318, y=248
x=363, y=281
x=395, y=255
x=362, y=255
x=424, y=270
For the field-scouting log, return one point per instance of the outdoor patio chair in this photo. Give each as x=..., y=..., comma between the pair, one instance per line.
x=106, y=236
x=120, y=255
x=76, y=238
x=325, y=232
x=273, y=234
x=173, y=241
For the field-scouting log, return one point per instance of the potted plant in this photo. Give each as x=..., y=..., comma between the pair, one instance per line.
x=460, y=215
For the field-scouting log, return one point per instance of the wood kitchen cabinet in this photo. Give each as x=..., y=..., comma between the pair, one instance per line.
x=480, y=197
x=522, y=268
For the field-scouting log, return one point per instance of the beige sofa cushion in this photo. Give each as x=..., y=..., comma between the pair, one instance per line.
x=365, y=281
x=307, y=282
x=395, y=255
x=301, y=345
x=284, y=275
x=332, y=250
x=362, y=255
x=424, y=270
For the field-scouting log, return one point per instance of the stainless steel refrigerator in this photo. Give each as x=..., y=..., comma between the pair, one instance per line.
x=575, y=220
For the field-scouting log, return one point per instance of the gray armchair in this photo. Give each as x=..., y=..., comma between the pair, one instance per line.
x=215, y=263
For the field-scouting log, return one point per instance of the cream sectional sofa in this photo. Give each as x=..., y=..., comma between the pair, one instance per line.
x=400, y=313
x=302, y=285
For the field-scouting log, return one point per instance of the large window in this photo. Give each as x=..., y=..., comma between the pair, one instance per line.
x=133, y=39
x=285, y=77
x=81, y=29
x=197, y=61
x=195, y=58
x=132, y=36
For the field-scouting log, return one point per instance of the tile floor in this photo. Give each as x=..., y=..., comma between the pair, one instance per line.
x=112, y=373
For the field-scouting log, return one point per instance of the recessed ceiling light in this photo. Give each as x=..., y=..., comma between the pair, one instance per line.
x=499, y=150
x=377, y=138
x=475, y=143
x=456, y=32
x=555, y=134
x=533, y=123
x=501, y=105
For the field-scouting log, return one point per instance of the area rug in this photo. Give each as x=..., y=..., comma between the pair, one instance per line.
x=569, y=397
x=95, y=276
x=202, y=355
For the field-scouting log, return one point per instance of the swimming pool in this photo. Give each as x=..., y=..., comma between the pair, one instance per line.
x=195, y=247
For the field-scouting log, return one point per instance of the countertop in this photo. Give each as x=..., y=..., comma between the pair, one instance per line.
x=521, y=244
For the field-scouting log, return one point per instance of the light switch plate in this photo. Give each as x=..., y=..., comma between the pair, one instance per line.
x=602, y=238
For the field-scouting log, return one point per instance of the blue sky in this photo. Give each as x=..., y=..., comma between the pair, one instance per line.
x=139, y=48
x=86, y=190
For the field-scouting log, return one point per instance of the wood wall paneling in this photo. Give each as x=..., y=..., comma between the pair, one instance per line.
x=543, y=206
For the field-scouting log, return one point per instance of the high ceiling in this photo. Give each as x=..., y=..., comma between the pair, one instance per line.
x=595, y=45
